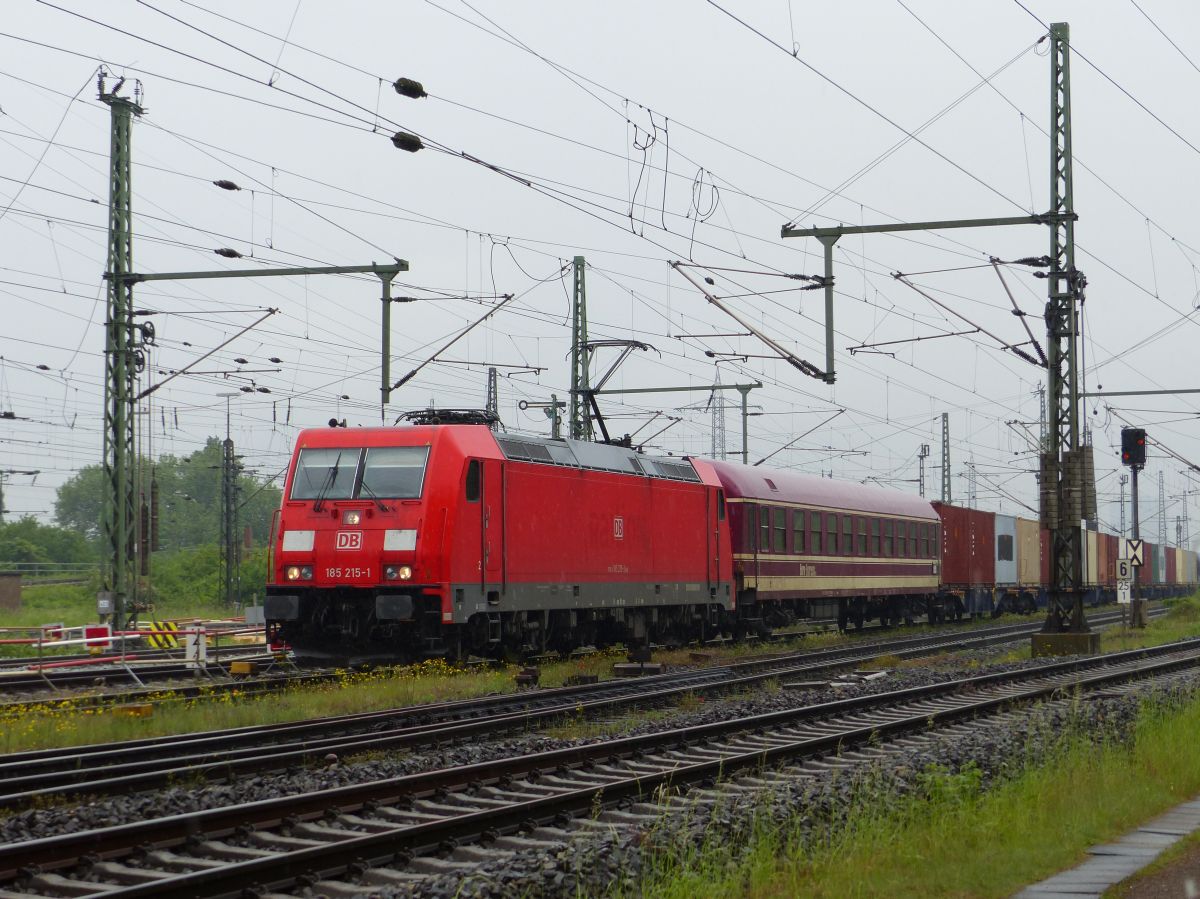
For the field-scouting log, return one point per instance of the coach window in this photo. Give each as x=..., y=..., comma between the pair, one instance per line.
x=764, y=529
x=901, y=550
x=780, y=529
x=926, y=531
x=912, y=539
x=874, y=536
x=848, y=535
x=473, y=481
x=814, y=533
x=798, y=531
x=748, y=514
x=887, y=537
x=831, y=534
x=862, y=536
x=934, y=551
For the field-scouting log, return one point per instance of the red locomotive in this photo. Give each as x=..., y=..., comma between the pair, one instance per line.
x=449, y=540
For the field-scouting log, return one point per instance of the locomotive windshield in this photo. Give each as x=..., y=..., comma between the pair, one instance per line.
x=388, y=472
x=394, y=472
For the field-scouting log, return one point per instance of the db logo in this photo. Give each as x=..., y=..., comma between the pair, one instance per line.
x=349, y=540
x=618, y=528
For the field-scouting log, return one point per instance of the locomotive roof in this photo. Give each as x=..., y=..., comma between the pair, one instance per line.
x=774, y=485
x=479, y=440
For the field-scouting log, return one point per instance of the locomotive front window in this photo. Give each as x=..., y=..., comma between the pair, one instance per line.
x=326, y=472
x=394, y=472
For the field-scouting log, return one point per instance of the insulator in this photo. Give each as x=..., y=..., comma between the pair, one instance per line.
x=228, y=253
x=275, y=359
x=406, y=87
x=225, y=184
x=263, y=389
x=154, y=544
x=402, y=140
x=240, y=361
x=144, y=537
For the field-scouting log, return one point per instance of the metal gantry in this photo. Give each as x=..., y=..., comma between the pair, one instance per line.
x=1065, y=463
x=1062, y=485
x=118, y=519
x=946, y=494
x=580, y=417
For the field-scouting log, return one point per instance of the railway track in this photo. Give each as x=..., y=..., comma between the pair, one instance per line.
x=108, y=769
x=14, y=678
x=353, y=839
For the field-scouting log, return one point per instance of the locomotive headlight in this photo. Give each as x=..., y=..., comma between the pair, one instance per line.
x=398, y=572
x=352, y=516
x=298, y=573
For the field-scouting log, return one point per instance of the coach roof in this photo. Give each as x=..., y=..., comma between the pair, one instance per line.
x=773, y=485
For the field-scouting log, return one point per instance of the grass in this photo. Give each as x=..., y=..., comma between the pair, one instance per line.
x=952, y=838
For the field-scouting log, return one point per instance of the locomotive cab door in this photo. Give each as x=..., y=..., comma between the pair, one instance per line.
x=492, y=509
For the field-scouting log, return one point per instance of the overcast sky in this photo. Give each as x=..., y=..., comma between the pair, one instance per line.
x=632, y=134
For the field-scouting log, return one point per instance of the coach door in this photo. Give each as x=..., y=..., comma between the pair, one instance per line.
x=493, y=522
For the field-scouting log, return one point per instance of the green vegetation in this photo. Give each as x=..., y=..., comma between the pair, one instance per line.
x=57, y=723
x=189, y=491
x=952, y=838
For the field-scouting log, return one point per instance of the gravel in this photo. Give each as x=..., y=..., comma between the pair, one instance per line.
x=588, y=863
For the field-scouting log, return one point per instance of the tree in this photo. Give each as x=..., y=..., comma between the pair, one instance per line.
x=27, y=537
x=189, y=499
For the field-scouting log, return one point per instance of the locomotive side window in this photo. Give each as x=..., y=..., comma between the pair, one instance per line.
x=780, y=529
x=720, y=505
x=764, y=529
x=326, y=472
x=814, y=533
x=831, y=532
x=394, y=472
x=862, y=536
x=798, y=531
x=874, y=536
x=472, y=489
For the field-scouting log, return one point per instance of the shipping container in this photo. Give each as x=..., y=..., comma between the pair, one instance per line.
x=1169, y=574
x=1091, y=559
x=1107, y=545
x=1006, y=550
x=968, y=555
x=1029, y=553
